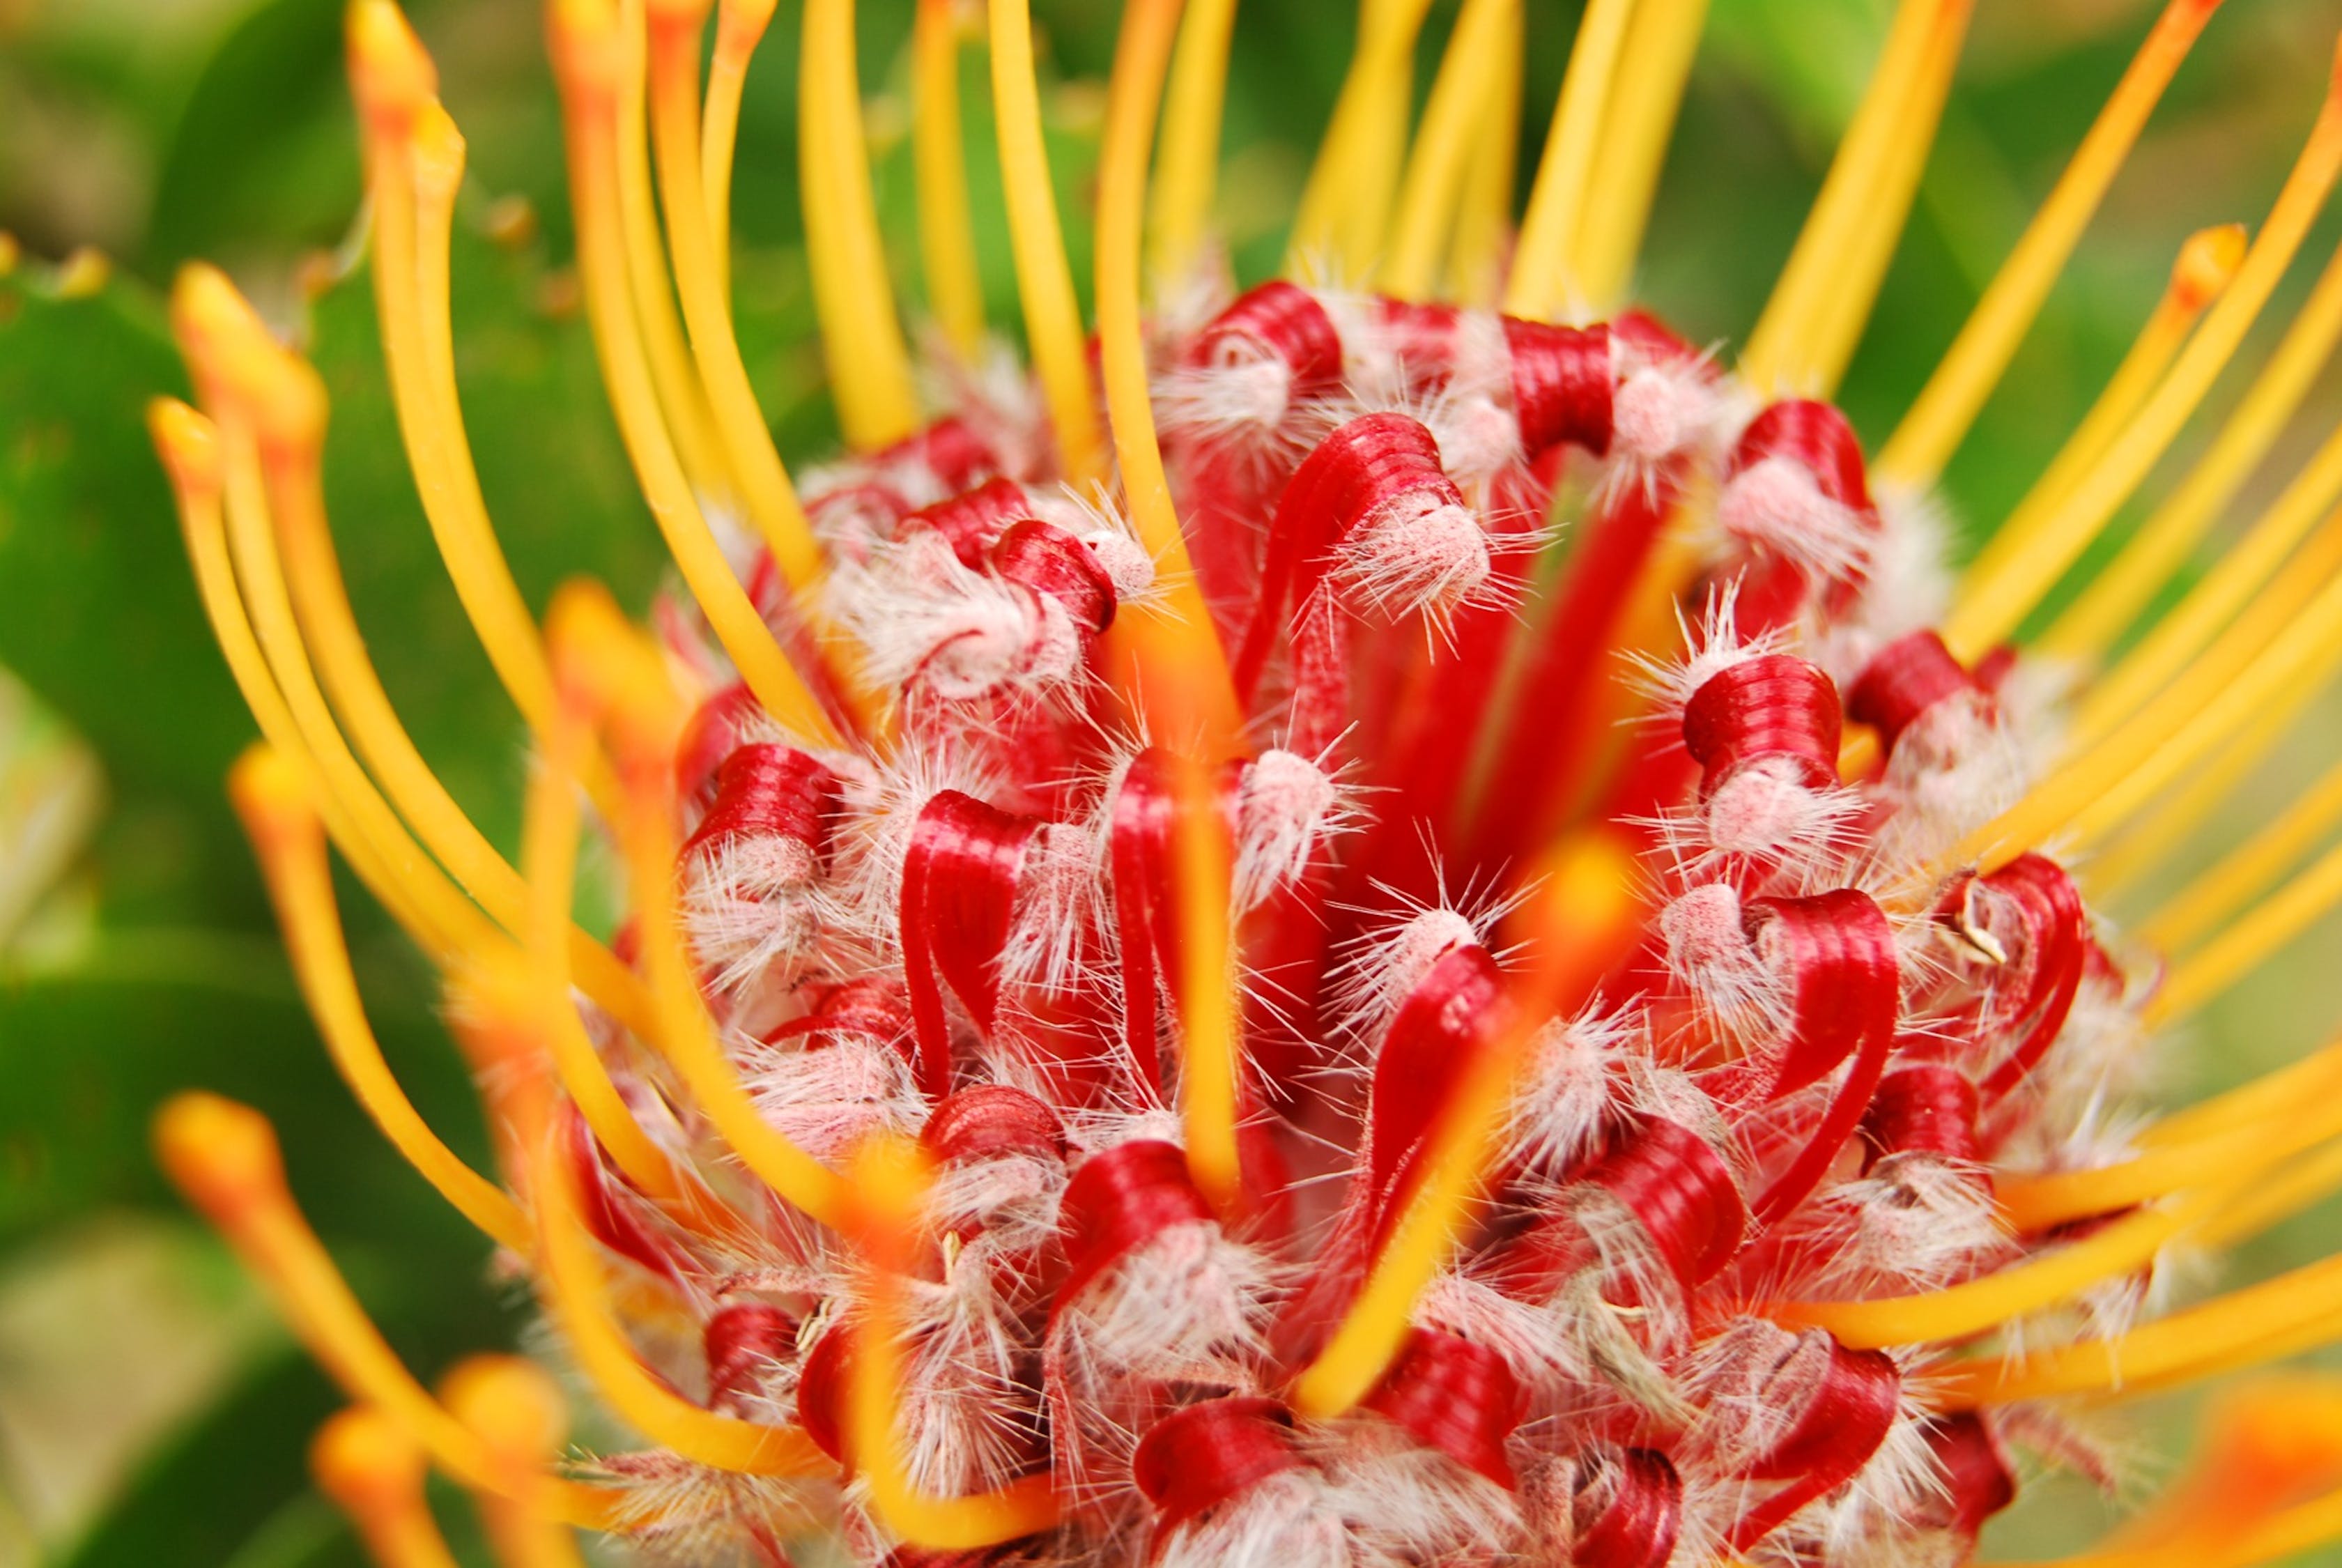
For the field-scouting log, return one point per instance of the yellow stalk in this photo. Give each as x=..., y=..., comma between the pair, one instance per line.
x=1484, y=217
x=1961, y=1310
x=586, y=58
x=1340, y=223
x=413, y=176
x=519, y=1413
x=222, y=1157
x=2254, y=1208
x=2250, y=1104
x=939, y=166
x=861, y=336
x=1180, y=207
x=2246, y=944
x=1469, y=76
x=2040, y=540
x=549, y=826
x=622, y=677
x=1857, y=175
x=2248, y=575
x=2118, y=595
x=740, y=28
x=273, y=798
x=1044, y=280
x=2209, y=902
x=1940, y=416
x=1541, y=284
x=764, y=485
x=1584, y=907
x=641, y=272
x=889, y=1181
x=395, y=872
x=1842, y=310
x=2163, y=1351
x=1641, y=118
x=2238, y=679
x=374, y=1473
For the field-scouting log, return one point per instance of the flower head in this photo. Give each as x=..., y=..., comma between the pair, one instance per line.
x=1386, y=916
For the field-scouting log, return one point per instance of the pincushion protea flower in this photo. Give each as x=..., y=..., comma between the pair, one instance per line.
x=1388, y=917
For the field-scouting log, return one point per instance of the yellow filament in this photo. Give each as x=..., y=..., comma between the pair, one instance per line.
x=2253, y=1209
x=549, y=824
x=1541, y=283
x=2208, y=902
x=1483, y=217
x=272, y=797
x=627, y=678
x=2271, y=1095
x=939, y=164
x=572, y=1280
x=395, y=873
x=2236, y=680
x=223, y=1156
x=740, y=28
x=410, y=278
x=2167, y=1351
x=591, y=125
x=1960, y=1310
x=2245, y=577
x=518, y=1411
x=1340, y=223
x=1940, y=416
x=1652, y=74
x=2034, y=1203
x=1210, y=1026
x=374, y=1473
x=1842, y=310
x=2246, y=944
x=1585, y=906
x=2206, y=266
x=1858, y=177
x=1180, y=667
x=2117, y=596
x=1179, y=208
x=1044, y=280
x=1478, y=52
x=771, y=498
x=2144, y=844
x=861, y=337
x=642, y=275
x=273, y=387
x=2040, y=540
x=890, y=1181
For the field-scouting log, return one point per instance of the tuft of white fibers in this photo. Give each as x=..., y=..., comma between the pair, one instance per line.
x=872, y=839
x=1183, y=1303
x=1918, y=1222
x=671, y=1511
x=1478, y=436
x=971, y=1410
x=1013, y=1198
x=922, y=618
x=1710, y=952
x=1567, y=1103
x=1371, y=981
x=1412, y=1504
x=1776, y=504
x=1416, y=554
x=748, y=903
x=1712, y=643
x=1520, y=1332
x=1618, y=1319
x=1241, y=398
x=1287, y=808
x=1952, y=769
x=826, y=1098
x=1907, y=584
x=1288, y=1521
x=1058, y=895
x=1765, y=812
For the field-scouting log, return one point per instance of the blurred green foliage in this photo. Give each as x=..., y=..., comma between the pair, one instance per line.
x=164, y=130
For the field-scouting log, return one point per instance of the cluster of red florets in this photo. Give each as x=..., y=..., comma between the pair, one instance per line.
x=1428, y=536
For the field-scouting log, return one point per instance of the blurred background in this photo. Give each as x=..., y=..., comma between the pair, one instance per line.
x=151, y=1413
